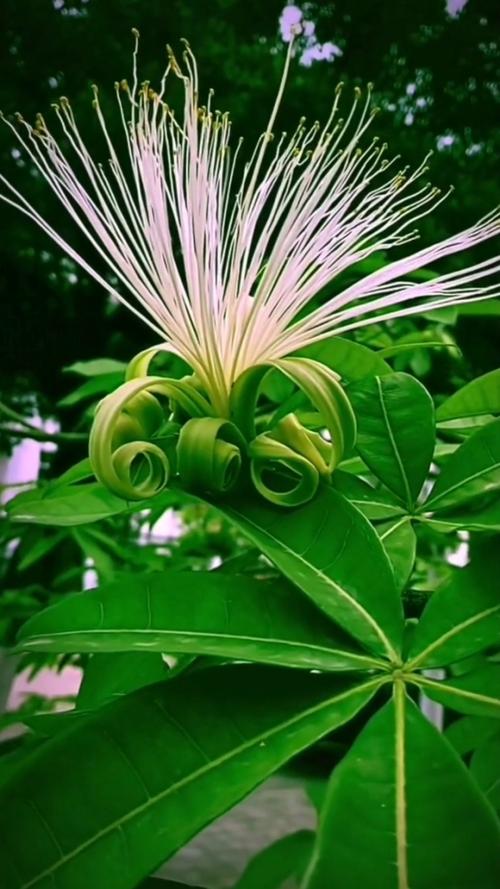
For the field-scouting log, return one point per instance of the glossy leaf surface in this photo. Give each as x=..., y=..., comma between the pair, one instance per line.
x=396, y=436
x=476, y=693
x=462, y=617
x=165, y=761
x=400, y=792
x=204, y=613
x=318, y=548
x=480, y=396
x=473, y=470
x=285, y=858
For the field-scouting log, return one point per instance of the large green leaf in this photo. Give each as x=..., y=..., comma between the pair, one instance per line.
x=396, y=435
x=198, y=613
x=402, y=811
x=462, y=617
x=476, y=693
x=481, y=396
x=285, y=858
x=473, y=470
x=329, y=550
x=105, y=803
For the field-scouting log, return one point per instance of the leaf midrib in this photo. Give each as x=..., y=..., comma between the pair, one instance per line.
x=464, y=481
x=419, y=659
x=35, y=641
x=173, y=788
x=390, y=651
x=409, y=498
x=458, y=692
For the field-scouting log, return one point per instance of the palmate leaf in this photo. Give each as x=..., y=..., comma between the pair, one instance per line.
x=402, y=811
x=164, y=762
x=204, y=613
x=473, y=470
x=330, y=551
x=396, y=434
x=462, y=617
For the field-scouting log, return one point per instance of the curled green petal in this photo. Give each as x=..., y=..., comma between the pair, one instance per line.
x=122, y=453
x=322, y=387
x=280, y=474
x=288, y=441
x=139, y=365
x=209, y=454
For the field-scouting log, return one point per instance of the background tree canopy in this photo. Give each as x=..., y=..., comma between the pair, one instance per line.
x=436, y=78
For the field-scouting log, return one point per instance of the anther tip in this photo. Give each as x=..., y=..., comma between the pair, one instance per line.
x=135, y=33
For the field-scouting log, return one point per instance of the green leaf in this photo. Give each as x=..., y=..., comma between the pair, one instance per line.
x=469, y=732
x=396, y=436
x=402, y=811
x=285, y=858
x=92, y=388
x=165, y=761
x=476, y=693
x=485, y=768
x=481, y=396
x=374, y=503
x=204, y=613
x=481, y=308
x=443, y=315
x=109, y=676
x=351, y=360
x=486, y=519
x=473, y=470
x=96, y=367
x=412, y=342
x=68, y=506
x=318, y=547
x=462, y=617
x=72, y=505
x=158, y=883
x=400, y=543
x=40, y=548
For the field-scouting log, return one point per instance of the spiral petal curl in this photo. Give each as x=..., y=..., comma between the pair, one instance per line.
x=153, y=427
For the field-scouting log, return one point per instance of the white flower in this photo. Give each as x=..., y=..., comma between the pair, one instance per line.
x=223, y=258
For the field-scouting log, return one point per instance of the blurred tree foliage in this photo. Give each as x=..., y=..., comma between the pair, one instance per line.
x=435, y=76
